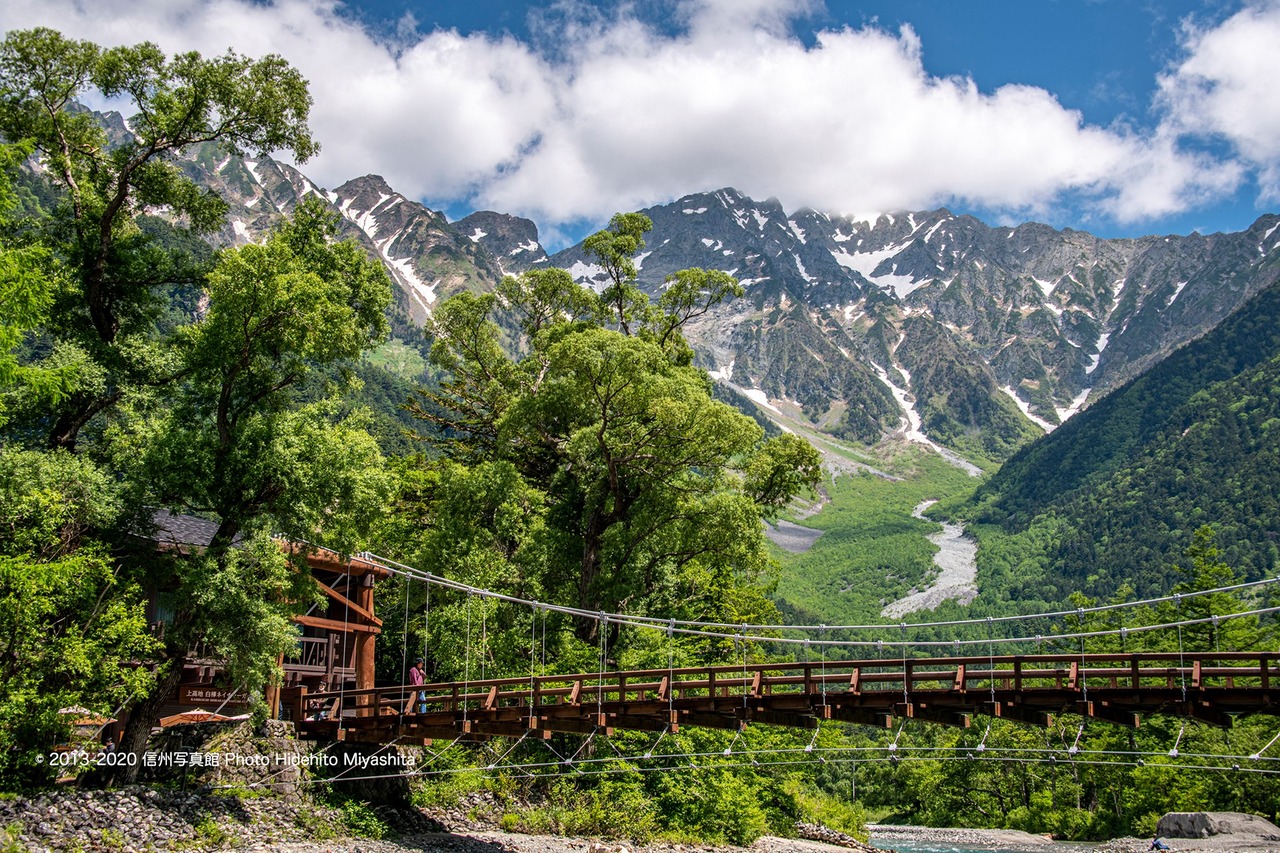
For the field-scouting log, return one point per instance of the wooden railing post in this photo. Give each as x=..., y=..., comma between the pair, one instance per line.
x=300, y=704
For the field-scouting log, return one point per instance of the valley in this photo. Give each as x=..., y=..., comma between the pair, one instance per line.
x=906, y=349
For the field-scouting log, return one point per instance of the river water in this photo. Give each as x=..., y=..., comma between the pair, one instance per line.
x=912, y=839
x=946, y=847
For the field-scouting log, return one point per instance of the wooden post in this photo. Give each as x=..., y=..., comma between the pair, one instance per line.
x=300, y=704
x=365, y=705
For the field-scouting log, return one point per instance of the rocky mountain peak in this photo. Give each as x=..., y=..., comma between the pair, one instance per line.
x=512, y=239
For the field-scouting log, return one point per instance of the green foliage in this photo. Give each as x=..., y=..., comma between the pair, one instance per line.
x=103, y=185
x=614, y=807
x=209, y=833
x=316, y=824
x=71, y=626
x=362, y=821
x=209, y=384
x=595, y=466
x=713, y=805
x=399, y=359
x=813, y=805
x=1117, y=493
x=872, y=551
x=29, y=281
x=614, y=248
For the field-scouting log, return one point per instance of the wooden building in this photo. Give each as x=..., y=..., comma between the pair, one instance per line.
x=336, y=637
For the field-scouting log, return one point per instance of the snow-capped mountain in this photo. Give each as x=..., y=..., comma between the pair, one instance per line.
x=426, y=257
x=927, y=323
x=966, y=328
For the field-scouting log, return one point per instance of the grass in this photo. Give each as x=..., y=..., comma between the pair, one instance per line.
x=397, y=357
x=873, y=551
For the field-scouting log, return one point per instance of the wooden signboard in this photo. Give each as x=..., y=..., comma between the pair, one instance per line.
x=210, y=697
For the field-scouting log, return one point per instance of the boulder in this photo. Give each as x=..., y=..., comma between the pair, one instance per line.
x=1205, y=824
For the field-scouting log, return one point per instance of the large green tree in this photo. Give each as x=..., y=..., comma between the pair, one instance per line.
x=240, y=443
x=105, y=183
x=72, y=624
x=232, y=411
x=653, y=491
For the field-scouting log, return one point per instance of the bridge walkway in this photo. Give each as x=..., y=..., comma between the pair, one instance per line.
x=1213, y=687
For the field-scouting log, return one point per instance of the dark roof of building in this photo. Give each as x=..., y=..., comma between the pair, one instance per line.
x=182, y=530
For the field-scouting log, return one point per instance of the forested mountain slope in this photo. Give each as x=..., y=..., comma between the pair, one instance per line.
x=1114, y=496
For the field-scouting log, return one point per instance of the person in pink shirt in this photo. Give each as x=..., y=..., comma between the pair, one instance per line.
x=417, y=677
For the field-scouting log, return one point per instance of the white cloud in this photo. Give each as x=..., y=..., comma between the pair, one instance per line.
x=617, y=115
x=436, y=116
x=1226, y=88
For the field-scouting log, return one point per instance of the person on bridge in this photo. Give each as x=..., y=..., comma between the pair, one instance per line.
x=417, y=677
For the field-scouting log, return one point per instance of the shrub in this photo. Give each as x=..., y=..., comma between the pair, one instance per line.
x=362, y=821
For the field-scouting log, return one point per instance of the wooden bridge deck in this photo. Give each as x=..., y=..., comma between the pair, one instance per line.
x=1118, y=688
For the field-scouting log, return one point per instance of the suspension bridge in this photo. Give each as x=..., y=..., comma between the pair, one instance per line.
x=1209, y=687
x=905, y=680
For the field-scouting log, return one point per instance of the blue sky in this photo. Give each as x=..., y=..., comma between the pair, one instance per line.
x=1119, y=117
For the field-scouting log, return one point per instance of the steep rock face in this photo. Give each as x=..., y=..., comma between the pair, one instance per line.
x=973, y=330
x=920, y=322
x=427, y=257
x=513, y=241
x=1115, y=497
x=258, y=192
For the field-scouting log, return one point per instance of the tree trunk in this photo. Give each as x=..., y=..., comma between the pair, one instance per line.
x=143, y=717
x=586, y=628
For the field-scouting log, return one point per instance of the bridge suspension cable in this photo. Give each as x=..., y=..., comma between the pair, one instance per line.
x=653, y=621
x=701, y=629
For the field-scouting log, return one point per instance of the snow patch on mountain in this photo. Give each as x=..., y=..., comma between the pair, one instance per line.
x=866, y=263
x=724, y=374
x=1026, y=409
x=759, y=397
x=804, y=274
x=1102, y=345
x=1046, y=287
x=911, y=426
x=478, y=235
x=1076, y=405
x=421, y=292
x=589, y=274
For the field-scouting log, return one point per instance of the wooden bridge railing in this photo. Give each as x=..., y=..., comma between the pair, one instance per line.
x=1024, y=687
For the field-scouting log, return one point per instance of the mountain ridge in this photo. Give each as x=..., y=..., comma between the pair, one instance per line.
x=920, y=323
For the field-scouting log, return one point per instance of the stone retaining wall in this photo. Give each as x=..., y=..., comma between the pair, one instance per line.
x=262, y=788
x=155, y=819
